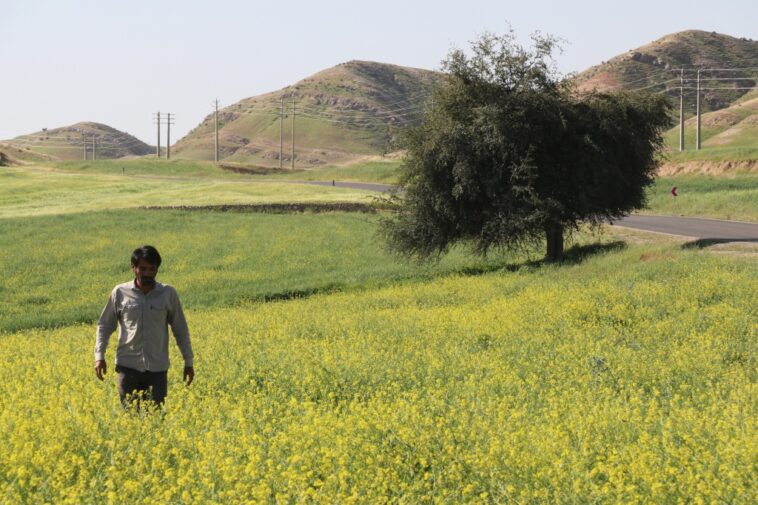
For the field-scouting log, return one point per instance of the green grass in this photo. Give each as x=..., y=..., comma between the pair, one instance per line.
x=385, y=172
x=740, y=153
x=28, y=192
x=628, y=377
x=365, y=171
x=102, y=185
x=330, y=371
x=59, y=269
x=144, y=166
x=733, y=198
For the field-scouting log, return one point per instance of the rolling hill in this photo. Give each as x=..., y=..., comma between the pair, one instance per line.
x=657, y=67
x=68, y=143
x=344, y=112
x=728, y=99
x=356, y=109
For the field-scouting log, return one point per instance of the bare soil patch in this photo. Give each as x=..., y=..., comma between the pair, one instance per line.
x=276, y=208
x=254, y=169
x=708, y=167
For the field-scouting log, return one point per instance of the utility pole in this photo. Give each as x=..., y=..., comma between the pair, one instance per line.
x=84, y=144
x=168, y=134
x=293, y=133
x=697, y=140
x=681, y=110
x=94, y=148
x=281, y=131
x=216, y=122
x=158, y=146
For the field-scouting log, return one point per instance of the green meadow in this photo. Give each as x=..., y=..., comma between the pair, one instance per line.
x=732, y=197
x=329, y=371
x=28, y=192
x=132, y=183
x=58, y=267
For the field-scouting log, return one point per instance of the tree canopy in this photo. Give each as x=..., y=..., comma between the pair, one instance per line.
x=509, y=154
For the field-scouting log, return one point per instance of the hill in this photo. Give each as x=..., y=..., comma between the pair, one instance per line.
x=12, y=154
x=736, y=124
x=341, y=113
x=728, y=96
x=657, y=67
x=68, y=143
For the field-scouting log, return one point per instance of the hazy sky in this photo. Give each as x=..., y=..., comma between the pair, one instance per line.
x=118, y=62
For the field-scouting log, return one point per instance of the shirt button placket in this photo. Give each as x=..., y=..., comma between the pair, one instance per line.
x=142, y=330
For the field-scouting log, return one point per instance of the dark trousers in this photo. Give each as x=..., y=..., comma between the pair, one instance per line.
x=135, y=386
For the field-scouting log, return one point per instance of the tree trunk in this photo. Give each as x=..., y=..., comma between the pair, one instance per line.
x=554, y=233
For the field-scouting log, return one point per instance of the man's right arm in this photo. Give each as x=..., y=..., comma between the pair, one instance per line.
x=106, y=325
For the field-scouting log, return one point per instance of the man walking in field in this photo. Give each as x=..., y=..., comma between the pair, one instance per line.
x=143, y=309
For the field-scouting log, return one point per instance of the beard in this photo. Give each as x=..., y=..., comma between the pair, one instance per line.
x=146, y=281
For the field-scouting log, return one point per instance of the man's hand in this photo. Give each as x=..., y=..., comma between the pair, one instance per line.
x=100, y=369
x=189, y=374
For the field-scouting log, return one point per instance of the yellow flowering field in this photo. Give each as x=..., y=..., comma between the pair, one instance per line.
x=626, y=378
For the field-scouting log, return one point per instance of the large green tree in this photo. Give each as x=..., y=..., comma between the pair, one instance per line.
x=509, y=155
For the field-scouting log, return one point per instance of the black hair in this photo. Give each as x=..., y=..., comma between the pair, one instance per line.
x=147, y=253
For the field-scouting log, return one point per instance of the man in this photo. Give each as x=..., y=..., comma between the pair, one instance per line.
x=143, y=309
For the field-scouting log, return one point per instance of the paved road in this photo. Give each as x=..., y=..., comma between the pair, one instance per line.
x=726, y=231
x=370, y=186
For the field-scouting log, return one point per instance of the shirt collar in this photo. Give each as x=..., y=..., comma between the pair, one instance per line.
x=158, y=287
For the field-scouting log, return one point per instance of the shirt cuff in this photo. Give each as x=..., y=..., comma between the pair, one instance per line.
x=188, y=362
x=99, y=356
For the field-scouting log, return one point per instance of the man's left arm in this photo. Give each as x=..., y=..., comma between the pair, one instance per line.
x=181, y=333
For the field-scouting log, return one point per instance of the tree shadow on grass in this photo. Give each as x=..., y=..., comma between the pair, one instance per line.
x=578, y=253
x=702, y=243
x=574, y=255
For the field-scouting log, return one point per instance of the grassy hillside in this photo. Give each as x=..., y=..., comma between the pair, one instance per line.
x=340, y=113
x=656, y=67
x=15, y=154
x=728, y=137
x=70, y=142
x=729, y=107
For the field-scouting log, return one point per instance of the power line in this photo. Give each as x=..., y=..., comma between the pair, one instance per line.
x=74, y=143
x=413, y=108
x=63, y=142
x=724, y=88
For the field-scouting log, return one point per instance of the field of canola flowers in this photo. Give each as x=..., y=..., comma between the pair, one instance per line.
x=629, y=377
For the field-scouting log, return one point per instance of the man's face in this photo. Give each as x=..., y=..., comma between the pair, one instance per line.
x=145, y=272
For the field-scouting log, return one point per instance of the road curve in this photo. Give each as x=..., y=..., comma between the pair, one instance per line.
x=369, y=186
x=700, y=228
x=727, y=231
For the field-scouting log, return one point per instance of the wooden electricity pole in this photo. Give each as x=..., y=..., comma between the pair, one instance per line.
x=281, y=131
x=681, y=110
x=293, y=133
x=697, y=135
x=94, y=148
x=215, y=157
x=168, y=135
x=158, y=145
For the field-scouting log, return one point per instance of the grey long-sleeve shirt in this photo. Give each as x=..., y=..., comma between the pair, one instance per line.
x=143, y=320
